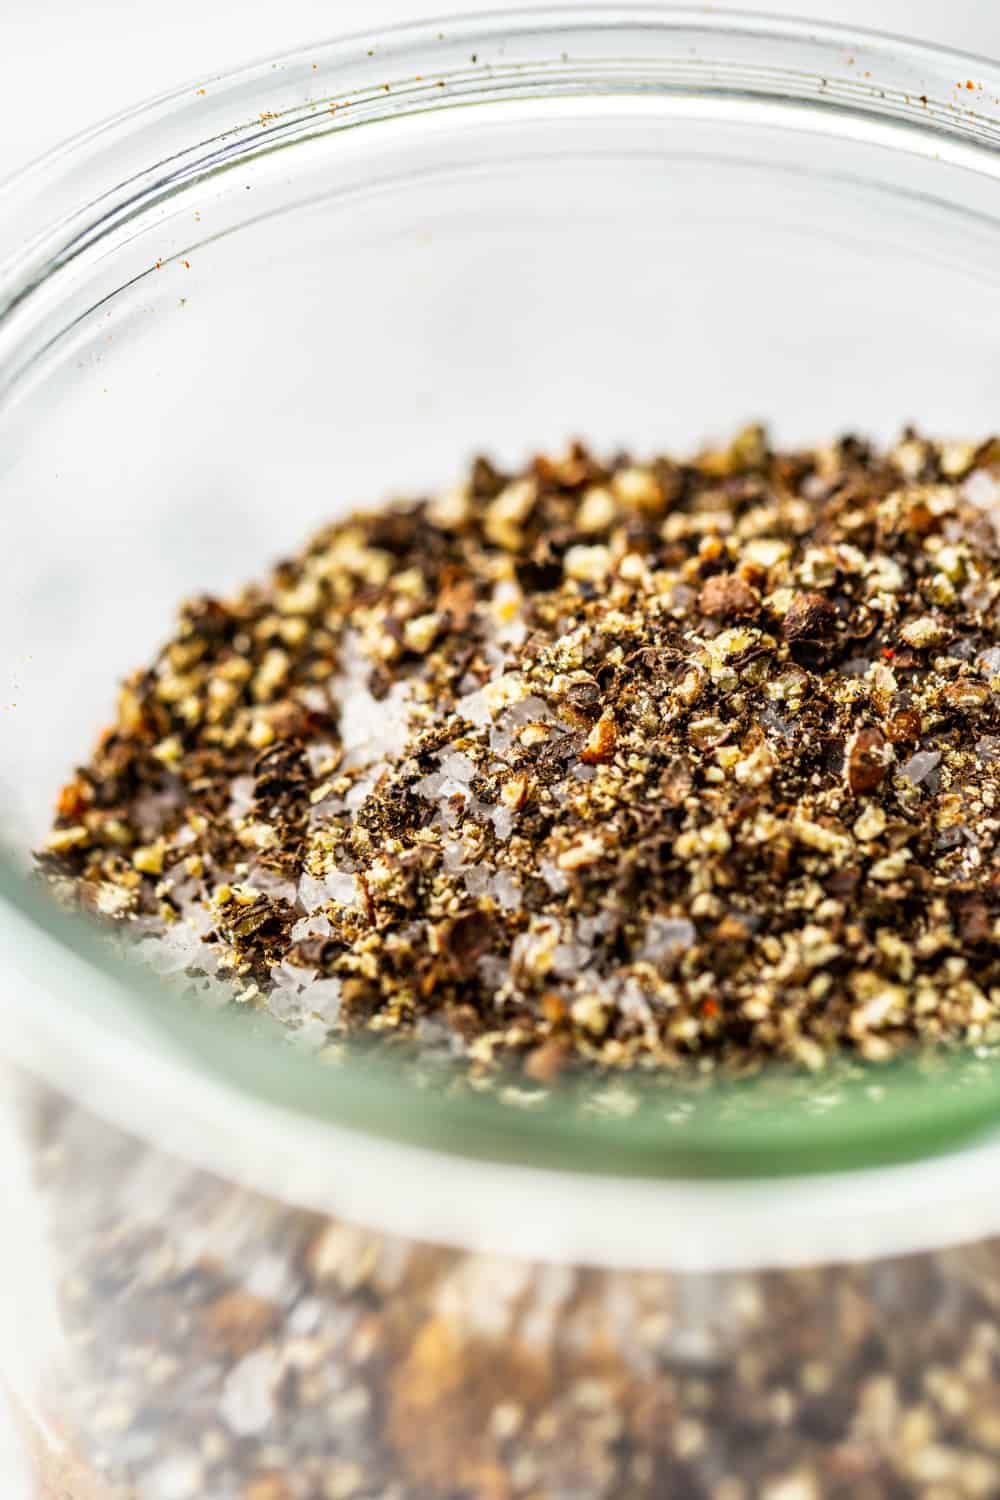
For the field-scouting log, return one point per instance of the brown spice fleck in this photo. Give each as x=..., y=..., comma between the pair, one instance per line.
x=726, y=596
x=866, y=760
x=600, y=742
x=809, y=617
x=268, y=1487
x=238, y=1321
x=545, y=1062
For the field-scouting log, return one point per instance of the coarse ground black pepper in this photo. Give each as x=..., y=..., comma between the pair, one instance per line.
x=633, y=765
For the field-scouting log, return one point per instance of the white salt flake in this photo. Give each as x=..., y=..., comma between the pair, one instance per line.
x=587, y=928
x=312, y=892
x=568, y=959
x=317, y=754
x=456, y=766
x=452, y=855
x=478, y=879
x=530, y=710
x=323, y=997
x=178, y=949
x=370, y=728
x=310, y=926
x=500, y=740
x=285, y=1003
x=503, y=822
x=449, y=782
x=492, y=971
x=506, y=890
x=667, y=937
x=247, y=1401
x=430, y=785
x=919, y=766
x=240, y=797
x=981, y=490
x=181, y=1477
x=343, y=887
x=271, y=884
x=473, y=707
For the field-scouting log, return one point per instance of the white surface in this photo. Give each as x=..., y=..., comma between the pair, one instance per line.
x=65, y=66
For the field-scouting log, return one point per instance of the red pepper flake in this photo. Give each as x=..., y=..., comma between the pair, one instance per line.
x=710, y=1008
x=74, y=797
x=888, y=652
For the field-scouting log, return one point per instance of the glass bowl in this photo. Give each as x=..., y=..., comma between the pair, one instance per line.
x=318, y=282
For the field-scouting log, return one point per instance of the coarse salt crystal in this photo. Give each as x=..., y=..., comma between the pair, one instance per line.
x=312, y=892
x=181, y=1477
x=457, y=766
x=241, y=790
x=322, y=997
x=919, y=766
x=342, y=886
x=370, y=728
x=529, y=710
x=667, y=937
x=473, y=707
x=310, y=926
x=506, y=890
x=247, y=1401
x=981, y=489
x=478, y=879
x=503, y=822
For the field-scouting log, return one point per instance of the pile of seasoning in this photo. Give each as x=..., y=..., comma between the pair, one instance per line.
x=630, y=765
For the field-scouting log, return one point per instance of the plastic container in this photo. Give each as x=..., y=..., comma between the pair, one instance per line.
x=313, y=283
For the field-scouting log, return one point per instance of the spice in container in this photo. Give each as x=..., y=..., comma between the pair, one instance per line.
x=602, y=763
x=665, y=769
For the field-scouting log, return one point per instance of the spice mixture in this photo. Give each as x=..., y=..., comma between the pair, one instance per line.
x=620, y=763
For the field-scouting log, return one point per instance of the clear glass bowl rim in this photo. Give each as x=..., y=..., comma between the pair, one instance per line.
x=58, y=205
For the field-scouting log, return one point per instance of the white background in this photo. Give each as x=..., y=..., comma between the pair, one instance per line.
x=64, y=66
